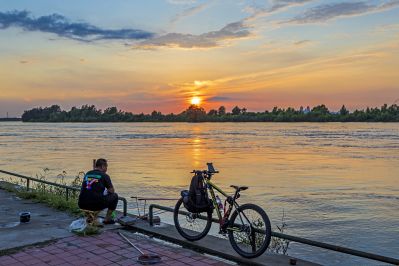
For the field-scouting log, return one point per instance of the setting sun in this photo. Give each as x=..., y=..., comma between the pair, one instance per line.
x=195, y=100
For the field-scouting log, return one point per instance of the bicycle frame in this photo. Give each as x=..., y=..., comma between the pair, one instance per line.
x=210, y=187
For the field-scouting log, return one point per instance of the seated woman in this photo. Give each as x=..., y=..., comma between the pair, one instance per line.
x=97, y=192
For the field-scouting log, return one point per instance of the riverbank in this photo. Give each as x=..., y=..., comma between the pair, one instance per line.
x=4, y=119
x=45, y=240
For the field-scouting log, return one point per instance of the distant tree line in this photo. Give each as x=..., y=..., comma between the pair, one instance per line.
x=194, y=113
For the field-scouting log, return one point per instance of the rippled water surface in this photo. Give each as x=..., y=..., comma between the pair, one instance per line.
x=337, y=183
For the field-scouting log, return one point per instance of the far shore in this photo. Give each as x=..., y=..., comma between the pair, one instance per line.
x=196, y=113
x=4, y=119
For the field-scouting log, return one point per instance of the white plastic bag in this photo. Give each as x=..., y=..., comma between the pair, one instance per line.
x=78, y=225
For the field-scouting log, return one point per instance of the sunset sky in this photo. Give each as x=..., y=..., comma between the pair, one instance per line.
x=156, y=55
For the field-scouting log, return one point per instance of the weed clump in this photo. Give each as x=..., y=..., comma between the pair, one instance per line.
x=280, y=245
x=90, y=230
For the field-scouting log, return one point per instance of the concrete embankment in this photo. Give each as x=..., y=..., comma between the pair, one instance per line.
x=214, y=245
x=47, y=241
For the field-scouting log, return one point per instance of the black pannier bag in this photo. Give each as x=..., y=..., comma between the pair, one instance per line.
x=196, y=199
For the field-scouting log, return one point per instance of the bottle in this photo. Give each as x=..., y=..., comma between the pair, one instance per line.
x=220, y=205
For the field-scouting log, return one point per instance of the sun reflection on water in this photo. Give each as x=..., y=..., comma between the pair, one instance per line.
x=196, y=152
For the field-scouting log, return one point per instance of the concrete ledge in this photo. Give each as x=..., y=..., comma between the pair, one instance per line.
x=48, y=224
x=213, y=245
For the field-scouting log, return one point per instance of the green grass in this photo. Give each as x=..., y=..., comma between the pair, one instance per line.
x=52, y=196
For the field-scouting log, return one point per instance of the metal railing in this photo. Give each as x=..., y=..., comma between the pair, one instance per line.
x=145, y=199
x=309, y=242
x=67, y=188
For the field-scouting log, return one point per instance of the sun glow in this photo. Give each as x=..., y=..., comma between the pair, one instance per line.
x=195, y=100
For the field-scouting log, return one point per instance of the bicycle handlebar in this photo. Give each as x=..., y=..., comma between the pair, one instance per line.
x=211, y=170
x=204, y=172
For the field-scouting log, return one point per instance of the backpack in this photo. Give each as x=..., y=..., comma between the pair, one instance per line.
x=196, y=199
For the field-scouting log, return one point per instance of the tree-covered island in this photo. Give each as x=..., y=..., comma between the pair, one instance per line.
x=195, y=113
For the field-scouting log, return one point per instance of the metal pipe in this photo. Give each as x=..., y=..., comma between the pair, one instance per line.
x=39, y=180
x=160, y=207
x=28, y=178
x=337, y=248
x=145, y=199
x=309, y=242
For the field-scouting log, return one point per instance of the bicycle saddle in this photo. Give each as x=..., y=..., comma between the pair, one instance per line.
x=239, y=188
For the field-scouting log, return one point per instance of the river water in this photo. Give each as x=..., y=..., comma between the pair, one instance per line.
x=335, y=182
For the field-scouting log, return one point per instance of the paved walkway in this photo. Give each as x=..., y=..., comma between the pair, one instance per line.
x=105, y=249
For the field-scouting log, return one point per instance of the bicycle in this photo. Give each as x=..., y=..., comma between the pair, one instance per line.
x=248, y=227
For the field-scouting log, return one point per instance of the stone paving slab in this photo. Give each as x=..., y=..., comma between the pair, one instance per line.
x=106, y=249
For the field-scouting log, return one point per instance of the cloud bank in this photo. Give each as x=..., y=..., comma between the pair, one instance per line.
x=61, y=26
x=327, y=12
x=232, y=31
x=281, y=4
x=189, y=12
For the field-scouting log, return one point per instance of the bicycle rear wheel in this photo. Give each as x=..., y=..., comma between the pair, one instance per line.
x=249, y=231
x=191, y=226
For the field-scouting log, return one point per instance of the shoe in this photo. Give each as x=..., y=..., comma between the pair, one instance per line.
x=109, y=221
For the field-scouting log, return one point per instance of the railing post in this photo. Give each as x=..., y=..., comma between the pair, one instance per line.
x=124, y=201
x=27, y=184
x=150, y=215
x=67, y=194
x=125, y=207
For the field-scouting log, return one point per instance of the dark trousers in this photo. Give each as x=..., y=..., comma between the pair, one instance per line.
x=111, y=201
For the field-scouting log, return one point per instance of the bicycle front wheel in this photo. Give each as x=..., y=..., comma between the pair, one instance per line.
x=249, y=231
x=191, y=226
